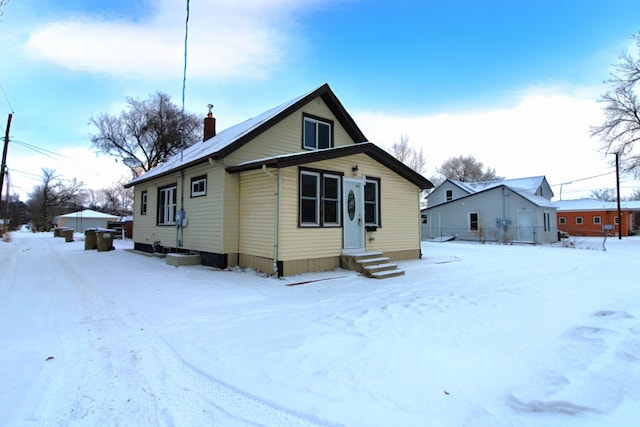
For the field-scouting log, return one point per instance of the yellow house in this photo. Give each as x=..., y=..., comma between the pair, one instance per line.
x=295, y=189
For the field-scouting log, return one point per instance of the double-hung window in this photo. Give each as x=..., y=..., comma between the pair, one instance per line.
x=330, y=200
x=167, y=205
x=317, y=134
x=199, y=186
x=372, y=202
x=319, y=199
x=143, y=203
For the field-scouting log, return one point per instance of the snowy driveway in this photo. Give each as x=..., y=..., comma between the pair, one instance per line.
x=473, y=335
x=75, y=353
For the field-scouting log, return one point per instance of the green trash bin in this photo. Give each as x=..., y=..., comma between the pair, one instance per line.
x=105, y=240
x=90, y=239
x=68, y=235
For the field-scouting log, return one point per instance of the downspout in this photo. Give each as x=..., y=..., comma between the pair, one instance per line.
x=276, y=215
x=180, y=213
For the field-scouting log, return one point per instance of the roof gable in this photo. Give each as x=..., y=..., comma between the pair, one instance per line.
x=524, y=193
x=234, y=137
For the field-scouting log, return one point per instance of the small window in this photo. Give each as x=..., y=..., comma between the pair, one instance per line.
x=424, y=219
x=579, y=220
x=616, y=221
x=597, y=220
x=449, y=195
x=167, y=205
x=473, y=221
x=317, y=134
x=199, y=186
x=143, y=203
x=372, y=202
x=562, y=220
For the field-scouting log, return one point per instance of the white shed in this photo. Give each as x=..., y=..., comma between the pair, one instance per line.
x=80, y=221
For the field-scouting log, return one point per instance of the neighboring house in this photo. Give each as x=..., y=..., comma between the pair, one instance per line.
x=286, y=192
x=510, y=210
x=591, y=217
x=80, y=221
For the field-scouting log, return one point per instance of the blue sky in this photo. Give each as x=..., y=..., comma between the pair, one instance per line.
x=513, y=83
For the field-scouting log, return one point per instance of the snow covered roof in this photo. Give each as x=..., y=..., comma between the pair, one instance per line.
x=594, y=205
x=88, y=213
x=234, y=137
x=530, y=184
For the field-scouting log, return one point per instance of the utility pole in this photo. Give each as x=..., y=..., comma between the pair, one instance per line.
x=618, y=197
x=4, y=163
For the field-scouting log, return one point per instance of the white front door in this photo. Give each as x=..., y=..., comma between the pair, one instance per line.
x=353, y=213
x=525, y=226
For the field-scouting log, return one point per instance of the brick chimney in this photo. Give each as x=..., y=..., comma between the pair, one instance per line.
x=209, y=125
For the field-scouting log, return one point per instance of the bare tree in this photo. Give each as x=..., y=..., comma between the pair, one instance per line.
x=635, y=195
x=408, y=155
x=54, y=197
x=466, y=169
x=3, y=3
x=147, y=133
x=604, y=194
x=621, y=128
x=115, y=200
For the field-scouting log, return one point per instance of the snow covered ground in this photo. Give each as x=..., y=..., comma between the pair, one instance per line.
x=472, y=335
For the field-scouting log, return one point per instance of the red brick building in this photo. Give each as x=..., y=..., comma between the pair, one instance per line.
x=590, y=217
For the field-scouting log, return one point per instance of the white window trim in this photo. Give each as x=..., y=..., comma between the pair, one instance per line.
x=194, y=182
x=317, y=122
x=169, y=206
x=597, y=220
x=144, y=199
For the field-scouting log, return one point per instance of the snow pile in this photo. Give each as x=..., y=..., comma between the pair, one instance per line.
x=482, y=335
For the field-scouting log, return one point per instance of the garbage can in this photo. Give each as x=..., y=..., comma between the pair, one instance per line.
x=90, y=239
x=68, y=235
x=59, y=231
x=105, y=240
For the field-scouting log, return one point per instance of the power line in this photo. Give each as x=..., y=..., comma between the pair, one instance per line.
x=584, y=179
x=39, y=150
x=6, y=99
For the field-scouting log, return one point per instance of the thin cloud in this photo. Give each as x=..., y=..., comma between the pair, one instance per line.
x=226, y=40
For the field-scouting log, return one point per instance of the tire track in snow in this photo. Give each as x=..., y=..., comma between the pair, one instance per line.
x=124, y=374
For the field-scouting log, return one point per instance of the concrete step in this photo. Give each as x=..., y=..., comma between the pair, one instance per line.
x=365, y=262
x=380, y=267
x=387, y=274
